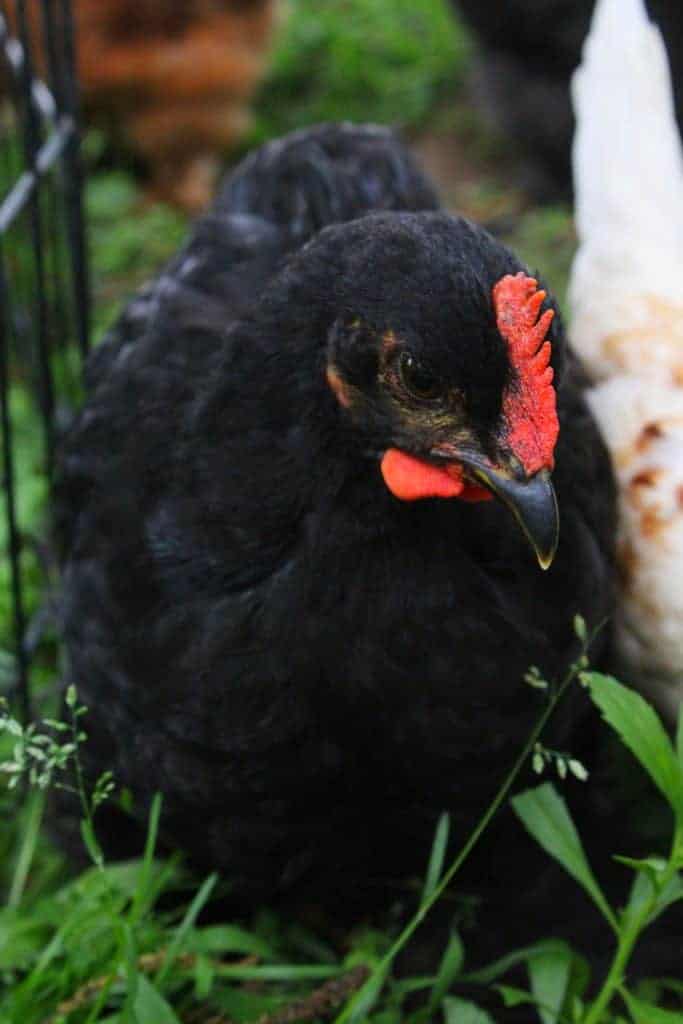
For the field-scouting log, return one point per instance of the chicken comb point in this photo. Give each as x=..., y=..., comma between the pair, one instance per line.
x=529, y=404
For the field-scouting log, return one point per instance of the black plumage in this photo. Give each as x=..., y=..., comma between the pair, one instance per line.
x=308, y=668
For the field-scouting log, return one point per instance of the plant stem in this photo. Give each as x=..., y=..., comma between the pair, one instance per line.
x=348, y=1015
x=627, y=940
x=86, y=803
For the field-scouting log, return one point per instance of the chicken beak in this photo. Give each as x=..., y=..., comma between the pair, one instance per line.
x=533, y=504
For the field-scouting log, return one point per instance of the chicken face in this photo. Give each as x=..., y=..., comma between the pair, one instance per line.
x=460, y=402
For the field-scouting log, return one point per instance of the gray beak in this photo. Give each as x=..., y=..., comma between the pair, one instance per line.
x=533, y=504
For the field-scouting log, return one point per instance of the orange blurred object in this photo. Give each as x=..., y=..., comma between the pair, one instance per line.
x=173, y=80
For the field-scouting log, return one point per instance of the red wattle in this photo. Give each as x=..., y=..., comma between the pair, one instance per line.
x=409, y=478
x=473, y=492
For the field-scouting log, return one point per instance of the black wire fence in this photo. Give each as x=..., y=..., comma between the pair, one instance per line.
x=44, y=306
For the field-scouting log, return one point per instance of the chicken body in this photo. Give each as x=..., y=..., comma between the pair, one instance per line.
x=307, y=667
x=627, y=322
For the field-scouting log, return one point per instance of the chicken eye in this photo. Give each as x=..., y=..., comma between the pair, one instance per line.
x=417, y=379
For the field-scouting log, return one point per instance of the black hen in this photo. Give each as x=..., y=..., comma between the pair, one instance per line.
x=309, y=665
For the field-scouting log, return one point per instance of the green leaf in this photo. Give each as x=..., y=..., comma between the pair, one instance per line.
x=357, y=1009
x=35, y=807
x=90, y=841
x=679, y=736
x=140, y=901
x=550, y=974
x=436, y=859
x=580, y=628
x=239, y=1004
x=642, y=891
x=579, y=981
x=646, y=1013
x=672, y=984
x=176, y=944
x=149, y=1006
x=279, y=972
x=652, y=866
x=388, y=1016
x=645, y=884
x=641, y=730
x=203, y=977
x=485, y=975
x=545, y=815
x=514, y=996
x=449, y=968
x=460, y=1011
x=228, y=938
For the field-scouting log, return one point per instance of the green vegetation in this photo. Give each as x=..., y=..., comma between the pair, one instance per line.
x=104, y=947
x=131, y=238
x=360, y=60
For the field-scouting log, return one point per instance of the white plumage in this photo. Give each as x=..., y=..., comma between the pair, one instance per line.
x=626, y=299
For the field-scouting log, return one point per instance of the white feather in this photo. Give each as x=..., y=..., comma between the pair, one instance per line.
x=625, y=291
x=626, y=299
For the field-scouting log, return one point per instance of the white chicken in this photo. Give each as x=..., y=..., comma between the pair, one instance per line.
x=626, y=300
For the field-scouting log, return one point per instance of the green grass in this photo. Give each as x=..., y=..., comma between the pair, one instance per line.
x=108, y=946
x=360, y=60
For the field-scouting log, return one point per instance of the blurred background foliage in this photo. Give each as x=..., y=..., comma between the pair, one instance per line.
x=390, y=61
x=360, y=60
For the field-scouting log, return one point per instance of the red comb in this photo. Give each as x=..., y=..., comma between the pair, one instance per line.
x=529, y=404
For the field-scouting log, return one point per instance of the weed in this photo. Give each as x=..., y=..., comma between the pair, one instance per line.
x=99, y=948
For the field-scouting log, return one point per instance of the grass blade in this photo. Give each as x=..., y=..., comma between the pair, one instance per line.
x=140, y=899
x=365, y=998
x=436, y=858
x=198, y=903
x=229, y=938
x=149, y=1006
x=459, y=1011
x=449, y=968
x=36, y=806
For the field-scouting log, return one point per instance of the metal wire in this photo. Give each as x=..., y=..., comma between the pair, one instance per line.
x=44, y=293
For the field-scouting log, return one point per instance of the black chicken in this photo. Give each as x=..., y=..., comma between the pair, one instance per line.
x=265, y=622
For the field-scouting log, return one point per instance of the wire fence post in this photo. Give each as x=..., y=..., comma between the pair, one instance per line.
x=44, y=301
